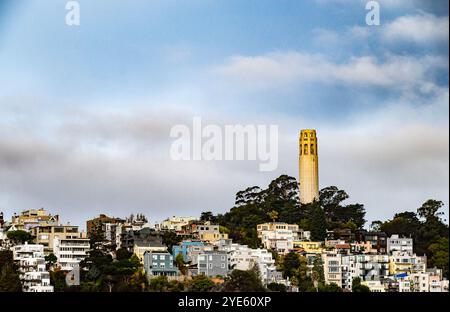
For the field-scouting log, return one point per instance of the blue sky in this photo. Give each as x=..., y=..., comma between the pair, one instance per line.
x=85, y=111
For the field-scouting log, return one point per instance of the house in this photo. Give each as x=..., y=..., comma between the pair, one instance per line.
x=175, y=223
x=213, y=263
x=210, y=232
x=143, y=246
x=182, y=248
x=159, y=263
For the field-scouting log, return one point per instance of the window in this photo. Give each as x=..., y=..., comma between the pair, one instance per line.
x=222, y=265
x=210, y=265
x=305, y=149
x=312, y=149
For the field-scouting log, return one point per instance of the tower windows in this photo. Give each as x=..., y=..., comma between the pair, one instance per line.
x=305, y=150
x=312, y=149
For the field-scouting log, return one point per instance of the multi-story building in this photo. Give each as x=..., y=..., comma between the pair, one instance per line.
x=175, y=223
x=70, y=251
x=46, y=233
x=403, y=262
x=32, y=271
x=159, y=263
x=213, y=263
x=278, y=236
x=399, y=244
x=145, y=235
x=182, y=248
x=378, y=240
x=332, y=267
x=210, y=232
x=143, y=246
x=31, y=218
x=367, y=267
x=429, y=281
x=99, y=223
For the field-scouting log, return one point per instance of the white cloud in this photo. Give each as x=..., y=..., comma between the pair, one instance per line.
x=422, y=29
x=403, y=73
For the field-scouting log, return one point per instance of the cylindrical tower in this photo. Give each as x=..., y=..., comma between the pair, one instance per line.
x=308, y=166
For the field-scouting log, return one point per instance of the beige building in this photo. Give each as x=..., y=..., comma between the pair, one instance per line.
x=46, y=234
x=308, y=166
x=31, y=218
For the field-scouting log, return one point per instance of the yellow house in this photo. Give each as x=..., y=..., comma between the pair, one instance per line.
x=309, y=247
x=404, y=263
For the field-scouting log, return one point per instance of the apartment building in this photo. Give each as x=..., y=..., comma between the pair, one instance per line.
x=31, y=218
x=428, y=281
x=399, y=244
x=45, y=234
x=332, y=267
x=403, y=262
x=278, y=236
x=70, y=250
x=368, y=267
x=32, y=271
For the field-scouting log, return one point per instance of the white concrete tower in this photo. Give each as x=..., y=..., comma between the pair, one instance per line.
x=308, y=166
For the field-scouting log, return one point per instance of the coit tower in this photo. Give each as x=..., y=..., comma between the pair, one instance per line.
x=308, y=166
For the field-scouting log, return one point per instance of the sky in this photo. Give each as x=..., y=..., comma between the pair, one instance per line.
x=86, y=111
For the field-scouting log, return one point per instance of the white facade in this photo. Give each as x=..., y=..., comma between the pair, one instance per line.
x=176, y=223
x=32, y=271
x=367, y=267
x=399, y=244
x=332, y=268
x=279, y=236
x=70, y=251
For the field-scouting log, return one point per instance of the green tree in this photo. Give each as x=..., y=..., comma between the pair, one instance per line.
x=358, y=287
x=317, y=275
x=201, y=283
x=208, y=216
x=430, y=209
x=275, y=287
x=19, y=236
x=179, y=260
x=440, y=255
x=51, y=259
x=290, y=264
x=333, y=287
x=318, y=223
x=9, y=277
x=123, y=254
x=170, y=238
x=158, y=283
x=244, y=281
